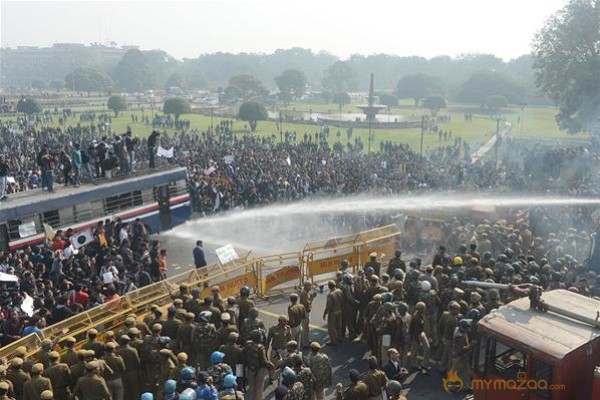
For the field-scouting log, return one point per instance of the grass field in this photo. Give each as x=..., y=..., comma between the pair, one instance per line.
x=538, y=122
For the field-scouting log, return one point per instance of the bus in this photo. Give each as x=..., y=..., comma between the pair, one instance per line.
x=161, y=200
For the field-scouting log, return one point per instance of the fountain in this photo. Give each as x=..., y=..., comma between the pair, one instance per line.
x=371, y=110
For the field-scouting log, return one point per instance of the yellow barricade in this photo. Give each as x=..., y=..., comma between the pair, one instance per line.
x=267, y=275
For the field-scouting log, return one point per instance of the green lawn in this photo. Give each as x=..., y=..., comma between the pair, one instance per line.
x=538, y=123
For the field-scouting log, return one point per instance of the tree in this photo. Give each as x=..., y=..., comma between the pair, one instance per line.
x=177, y=106
x=175, y=79
x=389, y=100
x=244, y=88
x=566, y=53
x=291, y=84
x=133, y=73
x=418, y=87
x=483, y=84
x=87, y=80
x=341, y=99
x=339, y=78
x=28, y=106
x=434, y=104
x=117, y=104
x=253, y=111
x=57, y=85
x=496, y=103
x=38, y=84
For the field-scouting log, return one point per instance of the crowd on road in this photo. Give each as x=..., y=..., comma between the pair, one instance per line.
x=410, y=316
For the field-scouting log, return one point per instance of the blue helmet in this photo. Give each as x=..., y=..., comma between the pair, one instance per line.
x=170, y=386
x=229, y=381
x=188, y=394
x=387, y=297
x=216, y=357
x=147, y=396
x=187, y=374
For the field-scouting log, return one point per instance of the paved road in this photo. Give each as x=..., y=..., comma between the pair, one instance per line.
x=344, y=357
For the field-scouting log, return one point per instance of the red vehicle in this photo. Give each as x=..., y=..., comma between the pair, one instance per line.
x=530, y=352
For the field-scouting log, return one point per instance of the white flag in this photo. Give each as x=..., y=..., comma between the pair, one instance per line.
x=288, y=160
x=228, y=159
x=82, y=239
x=164, y=152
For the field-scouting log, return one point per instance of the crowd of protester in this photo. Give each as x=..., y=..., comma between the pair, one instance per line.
x=421, y=306
x=229, y=171
x=411, y=314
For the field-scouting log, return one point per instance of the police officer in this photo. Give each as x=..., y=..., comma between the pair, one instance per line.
x=60, y=377
x=226, y=328
x=394, y=390
x=150, y=358
x=277, y=338
x=131, y=376
x=33, y=388
x=307, y=295
x=114, y=379
x=446, y=326
x=166, y=369
x=4, y=378
x=244, y=306
x=93, y=344
x=396, y=263
x=418, y=337
x=370, y=335
x=461, y=352
x=171, y=327
x=374, y=378
x=229, y=392
x=401, y=338
x=69, y=357
x=182, y=363
x=91, y=386
x=193, y=304
x=320, y=366
x=218, y=370
x=78, y=370
x=333, y=313
x=348, y=305
x=204, y=340
x=304, y=375
x=185, y=333
x=217, y=299
x=253, y=323
x=17, y=376
x=385, y=326
x=257, y=365
x=373, y=263
x=296, y=314
x=234, y=354
x=231, y=302
x=21, y=352
x=45, y=350
x=136, y=342
x=4, y=390
x=357, y=390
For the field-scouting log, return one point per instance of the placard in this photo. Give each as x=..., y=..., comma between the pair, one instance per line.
x=226, y=254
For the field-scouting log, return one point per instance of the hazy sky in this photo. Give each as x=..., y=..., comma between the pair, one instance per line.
x=342, y=27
